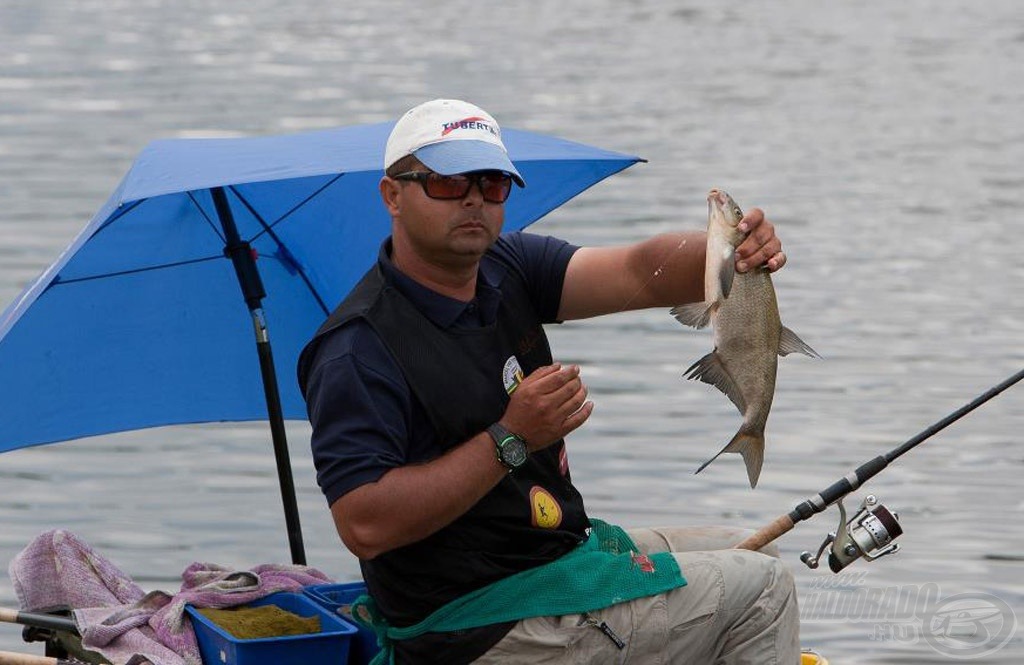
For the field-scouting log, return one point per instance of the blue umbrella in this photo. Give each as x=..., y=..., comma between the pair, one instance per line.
x=141, y=322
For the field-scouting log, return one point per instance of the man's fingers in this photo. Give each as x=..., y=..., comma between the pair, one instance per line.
x=578, y=418
x=751, y=220
x=570, y=401
x=760, y=235
x=758, y=255
x=540, y=374
x=565, y=391
x=555, y=379
x=777, y=261
x=546, y=370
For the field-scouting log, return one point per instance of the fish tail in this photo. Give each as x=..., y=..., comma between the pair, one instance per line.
x=750, y=445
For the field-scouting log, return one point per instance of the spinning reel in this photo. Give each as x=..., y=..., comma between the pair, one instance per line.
x=870, y=534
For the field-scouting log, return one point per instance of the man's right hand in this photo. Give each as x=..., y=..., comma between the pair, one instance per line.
x=547, y=405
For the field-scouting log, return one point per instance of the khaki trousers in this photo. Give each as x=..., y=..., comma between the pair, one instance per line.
x=738, y=608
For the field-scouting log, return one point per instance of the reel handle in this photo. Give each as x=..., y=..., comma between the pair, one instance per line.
x=767, y=534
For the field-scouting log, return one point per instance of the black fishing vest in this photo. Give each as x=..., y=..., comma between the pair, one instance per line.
x=533, y=515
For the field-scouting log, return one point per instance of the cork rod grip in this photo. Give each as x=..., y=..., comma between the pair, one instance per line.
x=767, y=534
x=11, y=658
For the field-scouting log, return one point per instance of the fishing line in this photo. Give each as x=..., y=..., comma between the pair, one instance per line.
x=655, y=275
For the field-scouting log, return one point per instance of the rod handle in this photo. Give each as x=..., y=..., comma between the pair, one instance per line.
x=38, y=620
x=12, y=658
x=766, y=534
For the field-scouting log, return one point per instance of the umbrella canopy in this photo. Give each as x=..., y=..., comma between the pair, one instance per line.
x=147, y=318
x=140, y=322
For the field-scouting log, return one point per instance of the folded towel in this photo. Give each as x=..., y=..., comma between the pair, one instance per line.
x=121, y=622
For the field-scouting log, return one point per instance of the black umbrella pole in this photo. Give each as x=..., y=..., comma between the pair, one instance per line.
x=248, y=274
x=277, y=433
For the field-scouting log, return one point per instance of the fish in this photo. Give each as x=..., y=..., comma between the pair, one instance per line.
x=748, y=333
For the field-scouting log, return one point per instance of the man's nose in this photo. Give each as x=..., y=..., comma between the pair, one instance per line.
x=475, y=195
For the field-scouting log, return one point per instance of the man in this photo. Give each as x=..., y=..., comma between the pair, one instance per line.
x=438, y=421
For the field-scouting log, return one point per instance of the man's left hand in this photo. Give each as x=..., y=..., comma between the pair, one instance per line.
x=761, y=246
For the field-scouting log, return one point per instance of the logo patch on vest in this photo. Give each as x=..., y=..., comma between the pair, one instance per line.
x=546, y=513
x=511, y=375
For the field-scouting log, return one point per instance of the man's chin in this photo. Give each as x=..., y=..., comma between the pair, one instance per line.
x=473, y=240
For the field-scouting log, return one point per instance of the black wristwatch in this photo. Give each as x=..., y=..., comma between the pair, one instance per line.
x=512, y=450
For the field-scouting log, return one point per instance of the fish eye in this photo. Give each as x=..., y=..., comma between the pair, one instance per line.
x=736, y=211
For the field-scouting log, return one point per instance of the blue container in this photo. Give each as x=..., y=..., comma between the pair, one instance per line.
x=329, y=646
x=337, y=598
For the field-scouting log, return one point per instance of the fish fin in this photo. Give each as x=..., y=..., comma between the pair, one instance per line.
x=748, y=444
x=790, y=342
x=695, y=314
x=710, y=369
x=727, y=271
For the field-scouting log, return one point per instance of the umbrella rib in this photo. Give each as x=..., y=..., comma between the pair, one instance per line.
x=121, y=211
x=59, y=281
x=209, y=221
x=268, y=229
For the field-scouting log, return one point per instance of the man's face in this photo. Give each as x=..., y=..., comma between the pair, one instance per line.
x=439, y=231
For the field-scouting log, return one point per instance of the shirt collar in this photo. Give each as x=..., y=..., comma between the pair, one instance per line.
x=445, y=312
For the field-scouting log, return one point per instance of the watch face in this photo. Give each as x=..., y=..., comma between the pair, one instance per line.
x=513, y=452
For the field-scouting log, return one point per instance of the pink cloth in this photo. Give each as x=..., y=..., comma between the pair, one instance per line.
x=116, y=618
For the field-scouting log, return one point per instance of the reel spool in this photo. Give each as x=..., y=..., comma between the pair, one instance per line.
x=870, y=534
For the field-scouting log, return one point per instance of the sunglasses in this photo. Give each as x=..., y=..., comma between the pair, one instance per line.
x=494, y=185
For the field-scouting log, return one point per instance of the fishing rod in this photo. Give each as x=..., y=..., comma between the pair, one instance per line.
x=11, y=658
x=38, y=620
x=872, y=530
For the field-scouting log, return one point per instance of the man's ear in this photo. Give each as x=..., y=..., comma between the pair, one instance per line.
x=389, y=194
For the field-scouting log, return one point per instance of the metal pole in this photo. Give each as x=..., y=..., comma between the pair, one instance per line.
x=241, y=255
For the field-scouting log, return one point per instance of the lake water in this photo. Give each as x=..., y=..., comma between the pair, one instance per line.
x=884, y=140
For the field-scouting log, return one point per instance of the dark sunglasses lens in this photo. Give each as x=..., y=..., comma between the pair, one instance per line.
x=446, y=186
x=496, y=188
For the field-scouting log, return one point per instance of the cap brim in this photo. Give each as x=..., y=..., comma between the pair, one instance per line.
x=465, y=156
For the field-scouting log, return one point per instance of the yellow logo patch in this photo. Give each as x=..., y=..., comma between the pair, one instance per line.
x=546, y=512
x=511, y=374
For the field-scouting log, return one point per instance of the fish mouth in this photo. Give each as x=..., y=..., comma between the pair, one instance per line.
x=716, y=201
x=721, y=205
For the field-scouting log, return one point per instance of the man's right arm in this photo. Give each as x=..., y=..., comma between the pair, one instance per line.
x=378, y=512
x=409, y=503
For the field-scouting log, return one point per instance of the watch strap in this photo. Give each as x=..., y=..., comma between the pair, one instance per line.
x=501, y=436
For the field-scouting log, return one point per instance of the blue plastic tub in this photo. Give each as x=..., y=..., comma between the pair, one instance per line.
x=330, y=646
x=337, y=598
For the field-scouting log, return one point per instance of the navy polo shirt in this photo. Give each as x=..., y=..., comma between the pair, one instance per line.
x=366, y=421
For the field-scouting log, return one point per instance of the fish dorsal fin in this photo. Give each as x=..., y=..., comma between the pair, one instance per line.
x=790, y=342
x=695, y=314
x=710, y=369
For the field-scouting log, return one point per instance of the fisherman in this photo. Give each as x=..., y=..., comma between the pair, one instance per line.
x=439, y=418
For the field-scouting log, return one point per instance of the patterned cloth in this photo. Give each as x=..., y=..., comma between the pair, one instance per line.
x=120, y=621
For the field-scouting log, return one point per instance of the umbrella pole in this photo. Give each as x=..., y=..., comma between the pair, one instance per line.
x=241, y=255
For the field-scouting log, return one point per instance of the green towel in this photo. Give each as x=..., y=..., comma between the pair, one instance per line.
x=604, y=570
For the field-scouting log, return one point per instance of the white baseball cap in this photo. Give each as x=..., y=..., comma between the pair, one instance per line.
x=450, y=136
